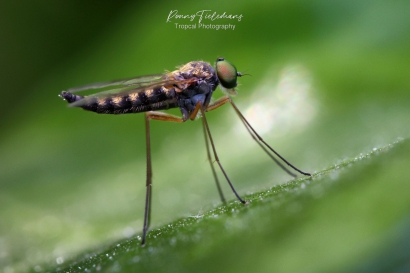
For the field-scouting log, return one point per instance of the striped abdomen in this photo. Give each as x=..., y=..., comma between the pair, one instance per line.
x=159, y=98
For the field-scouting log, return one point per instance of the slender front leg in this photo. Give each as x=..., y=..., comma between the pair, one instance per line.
x=225, y=99
x=148, y=117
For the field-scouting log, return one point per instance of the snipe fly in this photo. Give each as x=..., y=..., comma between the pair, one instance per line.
x=190, y=88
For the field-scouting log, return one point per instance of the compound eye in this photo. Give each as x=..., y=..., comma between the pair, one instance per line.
x=227, y=73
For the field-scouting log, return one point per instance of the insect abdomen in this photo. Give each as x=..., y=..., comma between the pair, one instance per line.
x=70, y=97
x=148, y=100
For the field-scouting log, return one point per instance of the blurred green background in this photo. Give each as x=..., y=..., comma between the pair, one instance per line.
x=329, y=80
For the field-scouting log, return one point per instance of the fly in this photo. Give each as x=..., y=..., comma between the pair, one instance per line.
x=190, y=88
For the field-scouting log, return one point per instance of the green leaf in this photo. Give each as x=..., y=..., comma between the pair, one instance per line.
x=345, y=218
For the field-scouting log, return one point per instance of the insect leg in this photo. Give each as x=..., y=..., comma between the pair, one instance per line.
x=149, y=116
x=225, y=99
x=221, y=101
x=208, y=132
x=218, y=185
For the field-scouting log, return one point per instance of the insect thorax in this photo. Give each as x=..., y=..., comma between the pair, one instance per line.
x=202, y=81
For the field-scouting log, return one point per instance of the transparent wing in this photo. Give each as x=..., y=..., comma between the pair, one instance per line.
x=123, y=87
x=118, y=84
